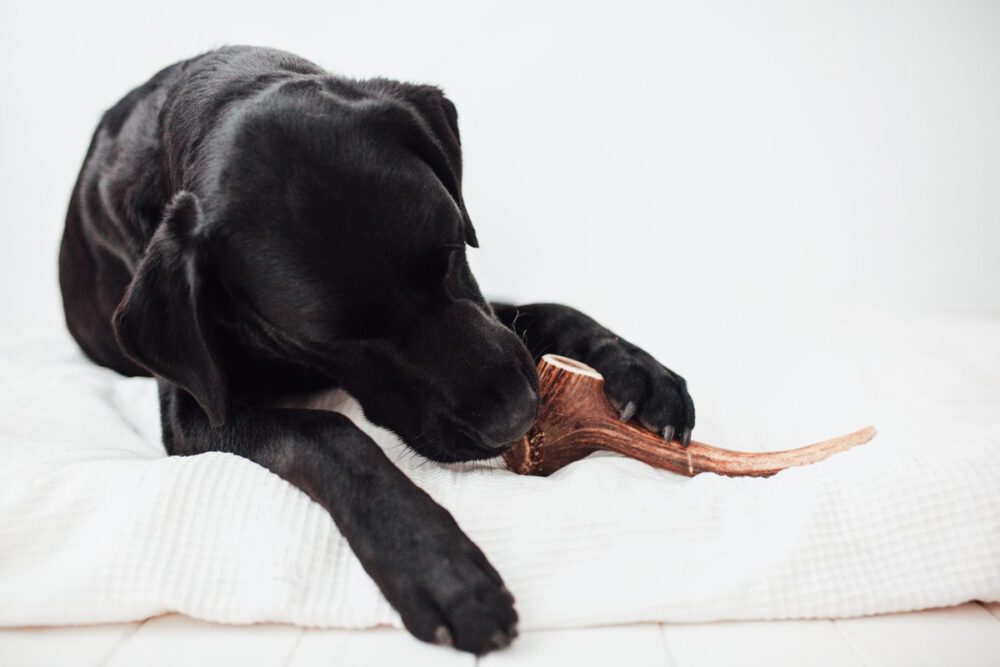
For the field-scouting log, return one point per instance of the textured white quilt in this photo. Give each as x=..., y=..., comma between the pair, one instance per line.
x=96, y=524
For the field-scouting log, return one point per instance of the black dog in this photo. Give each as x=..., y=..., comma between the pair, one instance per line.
x=248, y=228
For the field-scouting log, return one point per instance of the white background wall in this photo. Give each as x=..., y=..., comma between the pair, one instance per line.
x=619, y=155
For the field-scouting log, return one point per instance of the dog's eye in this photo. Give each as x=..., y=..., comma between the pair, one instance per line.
x=434, y=266
x=370, y=321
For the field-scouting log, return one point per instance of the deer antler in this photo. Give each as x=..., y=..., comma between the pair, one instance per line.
x=576, y=418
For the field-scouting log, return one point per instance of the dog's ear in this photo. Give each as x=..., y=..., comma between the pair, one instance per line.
x=161, y=322
x=441, y=117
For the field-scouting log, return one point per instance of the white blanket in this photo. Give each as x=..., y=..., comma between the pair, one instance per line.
x=97, y=525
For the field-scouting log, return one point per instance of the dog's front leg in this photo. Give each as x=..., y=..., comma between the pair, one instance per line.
x=430, y=571
x=637, y=384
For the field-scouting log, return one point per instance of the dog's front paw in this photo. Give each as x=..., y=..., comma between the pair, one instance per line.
x=453, y=596
x=642, y=388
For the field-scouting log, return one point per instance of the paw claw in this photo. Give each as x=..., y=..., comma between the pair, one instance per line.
x=668, y=433
x=500, y=639
x=686, y=437
x=442, y=636
x=627, y=412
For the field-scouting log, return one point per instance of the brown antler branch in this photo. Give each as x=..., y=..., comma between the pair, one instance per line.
x=576, y=418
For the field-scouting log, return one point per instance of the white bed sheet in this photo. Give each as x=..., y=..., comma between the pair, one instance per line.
x=97, y=525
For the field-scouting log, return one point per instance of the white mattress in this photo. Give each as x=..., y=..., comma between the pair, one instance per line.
x=97, y=525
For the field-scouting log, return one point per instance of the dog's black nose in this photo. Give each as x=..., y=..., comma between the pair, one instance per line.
x=511, y=422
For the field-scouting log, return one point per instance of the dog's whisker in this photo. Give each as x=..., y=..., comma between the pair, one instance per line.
x=544, y=349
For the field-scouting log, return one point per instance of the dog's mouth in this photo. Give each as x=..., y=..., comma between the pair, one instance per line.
x=456, y=443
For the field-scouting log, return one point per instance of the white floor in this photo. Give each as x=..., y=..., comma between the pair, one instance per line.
x=965, y=636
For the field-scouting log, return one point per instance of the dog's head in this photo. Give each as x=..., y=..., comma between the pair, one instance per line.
x=331, y=236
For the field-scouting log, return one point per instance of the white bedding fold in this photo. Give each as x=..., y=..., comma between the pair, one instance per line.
x=97, y=525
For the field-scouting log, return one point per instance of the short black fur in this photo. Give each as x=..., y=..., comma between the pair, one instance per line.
x=250, y=229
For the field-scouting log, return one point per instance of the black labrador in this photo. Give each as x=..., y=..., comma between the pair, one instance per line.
x=247, y=227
